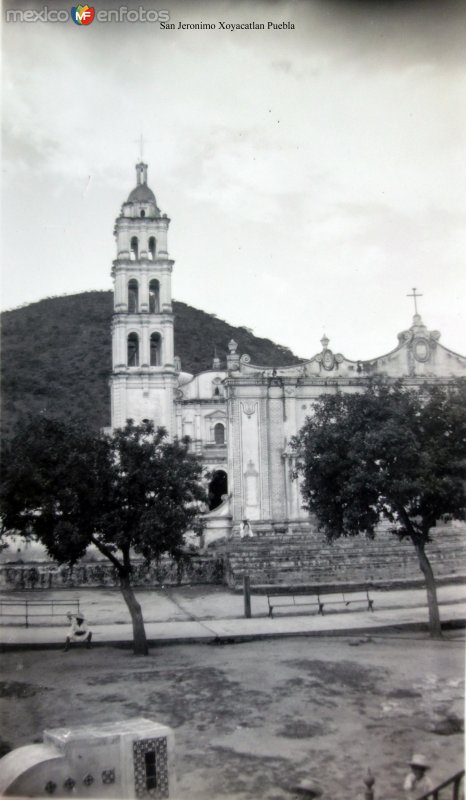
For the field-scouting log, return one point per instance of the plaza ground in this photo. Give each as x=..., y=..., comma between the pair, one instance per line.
x=253, y=719
x=255, y=708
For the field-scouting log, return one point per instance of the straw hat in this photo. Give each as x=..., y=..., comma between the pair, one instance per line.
x=419, y=760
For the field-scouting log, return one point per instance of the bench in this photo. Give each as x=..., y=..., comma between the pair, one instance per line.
x=31, y=610
x=319, y=597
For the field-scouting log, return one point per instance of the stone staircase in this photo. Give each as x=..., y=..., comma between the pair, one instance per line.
x=303, y=556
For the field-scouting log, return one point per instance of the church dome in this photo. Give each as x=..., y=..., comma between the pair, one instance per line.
x=142, y=194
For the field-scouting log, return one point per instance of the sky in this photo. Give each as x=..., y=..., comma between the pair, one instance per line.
x=313, y=175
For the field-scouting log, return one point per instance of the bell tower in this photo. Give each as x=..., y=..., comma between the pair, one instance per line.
x=143, y=376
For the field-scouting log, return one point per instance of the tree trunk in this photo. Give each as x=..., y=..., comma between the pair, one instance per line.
x=435, y=627
x=140, y=647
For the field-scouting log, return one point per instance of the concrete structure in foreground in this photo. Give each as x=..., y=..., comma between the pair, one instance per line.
x=132, y=758
x=240, y=416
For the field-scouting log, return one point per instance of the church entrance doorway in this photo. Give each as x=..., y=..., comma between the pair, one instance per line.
x=218, y=489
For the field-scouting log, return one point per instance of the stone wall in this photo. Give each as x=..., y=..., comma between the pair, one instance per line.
x=305, y=557
x=196, y=569
x=278, y=556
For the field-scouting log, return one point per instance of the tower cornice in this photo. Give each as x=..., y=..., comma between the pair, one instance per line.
x=143, y=265
x=133, y=222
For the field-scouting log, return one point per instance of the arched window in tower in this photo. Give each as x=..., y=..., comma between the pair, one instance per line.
x=133, y=296
x=134, y=250
x=154, y=296
x=152, y=247
x=133, y=350
x=219, y=433
x=155, y=350
x=143, y=213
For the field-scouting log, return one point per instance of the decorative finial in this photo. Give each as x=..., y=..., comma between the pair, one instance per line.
x=232, y=345
x=324, y=342
x=415, y=296
x=216, y=360
x=141, y=173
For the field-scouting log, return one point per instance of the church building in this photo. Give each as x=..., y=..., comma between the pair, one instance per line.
x=240, y=416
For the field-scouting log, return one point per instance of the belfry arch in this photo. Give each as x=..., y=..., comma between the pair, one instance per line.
x=155, y=350
x=154, y=296
x=133, y=296
x=134, y=251
x=133, y=350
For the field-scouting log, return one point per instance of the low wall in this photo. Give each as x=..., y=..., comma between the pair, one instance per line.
x=287, y=558
x=49, y=575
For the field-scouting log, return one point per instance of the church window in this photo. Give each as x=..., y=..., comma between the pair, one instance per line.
x=216, y=392
x=152, y=247
x=143, y=213
x=219, y=433
x=155, y=349
x=133, y=296
x=154, y=297
x=133, y=350
x=134, y=254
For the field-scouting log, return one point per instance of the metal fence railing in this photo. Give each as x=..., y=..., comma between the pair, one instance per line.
x=451, y=789
x=453, y=783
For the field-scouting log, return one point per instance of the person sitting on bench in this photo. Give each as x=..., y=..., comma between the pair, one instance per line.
x=78, y=631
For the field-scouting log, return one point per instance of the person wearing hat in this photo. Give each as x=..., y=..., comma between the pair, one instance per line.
x=417, y=782
x=78, y=631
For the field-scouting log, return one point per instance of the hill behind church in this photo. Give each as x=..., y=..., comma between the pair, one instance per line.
x=56, y=355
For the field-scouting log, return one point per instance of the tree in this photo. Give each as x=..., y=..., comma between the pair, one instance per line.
x=388, y=453
x=133, y=493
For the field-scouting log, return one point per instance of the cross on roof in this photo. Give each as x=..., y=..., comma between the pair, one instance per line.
x=415, y=296
x=141, y=141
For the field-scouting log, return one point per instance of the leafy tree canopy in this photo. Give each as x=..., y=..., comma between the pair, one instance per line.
x=131, y=492
x=388, y=453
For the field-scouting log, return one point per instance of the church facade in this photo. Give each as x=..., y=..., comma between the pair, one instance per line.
x=240, y=416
